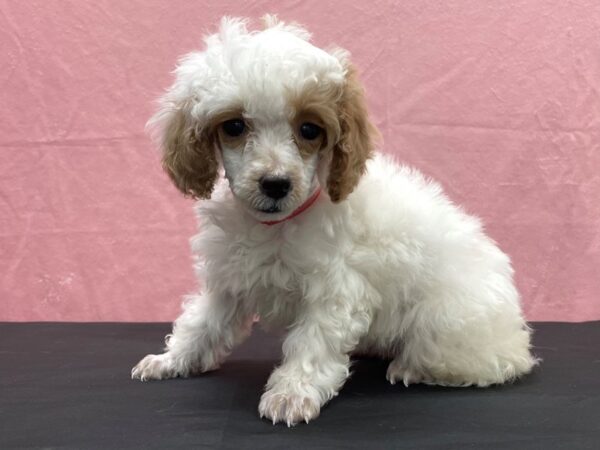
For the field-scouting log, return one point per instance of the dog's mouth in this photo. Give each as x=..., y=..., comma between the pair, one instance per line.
x=270, y=210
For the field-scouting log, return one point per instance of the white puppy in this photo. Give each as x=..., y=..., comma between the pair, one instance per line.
x=317, y=234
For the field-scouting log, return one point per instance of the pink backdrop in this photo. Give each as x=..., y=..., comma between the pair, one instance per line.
x=500, y=101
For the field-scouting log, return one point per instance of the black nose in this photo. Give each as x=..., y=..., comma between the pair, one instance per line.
x=275, y=187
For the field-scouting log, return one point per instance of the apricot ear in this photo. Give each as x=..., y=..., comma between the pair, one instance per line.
x=188, y=158
x=356, y=143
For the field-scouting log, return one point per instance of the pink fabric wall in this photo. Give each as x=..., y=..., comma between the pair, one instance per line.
x=500, y=101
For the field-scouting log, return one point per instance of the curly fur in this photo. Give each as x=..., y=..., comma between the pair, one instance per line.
x=356, y=145
x=383, y=265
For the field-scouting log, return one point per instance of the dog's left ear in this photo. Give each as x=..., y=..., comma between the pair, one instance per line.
x=356, y=142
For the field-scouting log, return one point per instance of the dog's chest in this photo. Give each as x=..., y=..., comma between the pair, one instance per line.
x=271, y=274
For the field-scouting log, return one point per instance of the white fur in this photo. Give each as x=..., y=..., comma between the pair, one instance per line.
x=396, y=270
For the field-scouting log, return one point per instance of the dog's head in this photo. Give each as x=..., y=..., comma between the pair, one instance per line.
x=279, y=114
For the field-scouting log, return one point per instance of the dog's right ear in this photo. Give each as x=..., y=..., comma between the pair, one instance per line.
x=188, y=151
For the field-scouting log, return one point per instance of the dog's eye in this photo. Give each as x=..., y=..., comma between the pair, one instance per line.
x=310, y=131
x=234, y=127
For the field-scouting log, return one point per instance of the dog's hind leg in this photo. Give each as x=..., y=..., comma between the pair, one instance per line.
x=202, y=337
x=462, y=345
x=397, y=372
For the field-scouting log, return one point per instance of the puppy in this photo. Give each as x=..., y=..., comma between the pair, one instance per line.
x=320, y=235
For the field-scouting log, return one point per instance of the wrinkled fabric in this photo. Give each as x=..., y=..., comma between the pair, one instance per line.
x=499, y=101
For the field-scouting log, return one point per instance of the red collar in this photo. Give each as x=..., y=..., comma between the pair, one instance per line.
x=303, y=207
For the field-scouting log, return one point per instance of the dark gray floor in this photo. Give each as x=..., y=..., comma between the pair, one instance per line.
x=68, y=386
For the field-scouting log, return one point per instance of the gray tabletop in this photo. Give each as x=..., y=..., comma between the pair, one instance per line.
x=68, y=386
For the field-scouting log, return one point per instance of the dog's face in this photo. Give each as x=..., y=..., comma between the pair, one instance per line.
x=271, y=163
x=280, y=115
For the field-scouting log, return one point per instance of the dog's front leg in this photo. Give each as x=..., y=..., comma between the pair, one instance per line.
x=316, y=362
x=209, y=327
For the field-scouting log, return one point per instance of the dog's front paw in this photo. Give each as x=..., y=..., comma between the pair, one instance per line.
x=154, y=367
x=288, y=408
